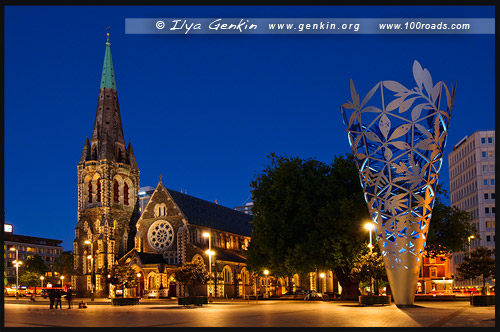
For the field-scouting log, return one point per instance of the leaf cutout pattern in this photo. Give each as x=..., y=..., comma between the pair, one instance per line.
x=394, y=86
x=373, y=137
x=384, y=125
x=400, y=131
x=418, y=74
x=354, y=96
x=369, y=95
x=406, y=104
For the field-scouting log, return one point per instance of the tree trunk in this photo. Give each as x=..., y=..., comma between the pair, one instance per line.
x=350, y=289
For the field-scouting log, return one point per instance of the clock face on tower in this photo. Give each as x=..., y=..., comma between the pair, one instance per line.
x=161, y=235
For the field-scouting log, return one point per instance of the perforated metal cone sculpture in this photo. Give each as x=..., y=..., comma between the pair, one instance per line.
x=397, y=140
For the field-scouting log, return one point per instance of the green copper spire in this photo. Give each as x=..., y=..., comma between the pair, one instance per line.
x=108, y=74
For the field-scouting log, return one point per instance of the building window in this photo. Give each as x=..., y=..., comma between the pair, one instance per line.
x=492, y=182
x=488, y=238
x=125, y=194
x=487, y=224
x=490, y=154
x=98, y=193
x=487, y=210
x=492, y=195
x=433, y=272
x=90, y=191
x=493, y=210
x=483, y=154
x=486, y=196
x=485, y=182
x=483, y=140
x=116, y=191
x=490, y=140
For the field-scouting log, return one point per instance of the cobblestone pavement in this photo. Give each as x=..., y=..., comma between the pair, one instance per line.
x=240, y=313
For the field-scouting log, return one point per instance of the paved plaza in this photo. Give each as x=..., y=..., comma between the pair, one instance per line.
x=240, y=313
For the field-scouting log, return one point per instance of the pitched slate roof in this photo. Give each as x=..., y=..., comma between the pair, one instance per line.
x=150, y=258
x=203, y=213
x=227, y=255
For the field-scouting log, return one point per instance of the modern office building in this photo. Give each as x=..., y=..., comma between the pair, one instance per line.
x=247, y=208
x=48, y=249
x=472, y=188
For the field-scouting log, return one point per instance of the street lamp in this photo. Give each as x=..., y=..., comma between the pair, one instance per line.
x=139, y=284
x=209, y=252
x=322, y=276
x=16, y=264
x=91, y=257
x=62, y=282
x=266, y=272
x=41, y=279
x=369, y=226
x=470, y=237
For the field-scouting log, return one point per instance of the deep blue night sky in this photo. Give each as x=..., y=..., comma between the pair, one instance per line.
x=206, y=110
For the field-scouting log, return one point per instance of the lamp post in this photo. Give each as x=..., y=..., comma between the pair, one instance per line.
x=369, y=226
x=16, y=264
x=41, y=279
x=470, y=237
x=266, y=272
x=322, y=277
x=91, y=257
x=139, y=284
x=62, y=282
x=209, y=253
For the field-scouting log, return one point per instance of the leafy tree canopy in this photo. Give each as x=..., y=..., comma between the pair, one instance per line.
x=192, y=273
x=307, y=215
x=480, y=264
x=34, y=264
x=123, y=275
x=449, y=228
x=64, y=264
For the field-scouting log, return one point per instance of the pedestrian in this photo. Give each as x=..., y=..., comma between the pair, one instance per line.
x=58, y=299
x=82, y=305
x=69, y=297
x=32, y=296
x=52, y=297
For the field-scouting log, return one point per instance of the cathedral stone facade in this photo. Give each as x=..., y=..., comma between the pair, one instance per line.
x=154, y=242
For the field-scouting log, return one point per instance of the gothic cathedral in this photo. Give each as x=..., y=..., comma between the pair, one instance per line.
x=108, y=186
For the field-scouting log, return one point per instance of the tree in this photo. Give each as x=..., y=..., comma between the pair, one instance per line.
x=64, y=264
x=370, y=266
x=192, y=273
x=34, y=264
x=123, y=276
x=307, y=216
x=449, y=228
x=480, y=264
x=30, y=272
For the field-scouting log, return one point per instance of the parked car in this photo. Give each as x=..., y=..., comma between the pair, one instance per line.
x=312, y=295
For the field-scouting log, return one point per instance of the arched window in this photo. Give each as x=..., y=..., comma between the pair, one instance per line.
x=227, y=275
x=90, y=191
x=125, y=194
x=98, y=192
x=152, y=282
x=116, y=191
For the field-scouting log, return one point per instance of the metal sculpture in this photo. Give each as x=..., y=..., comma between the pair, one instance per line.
x=398, y=147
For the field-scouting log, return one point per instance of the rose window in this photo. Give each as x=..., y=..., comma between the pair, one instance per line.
x=160, y=235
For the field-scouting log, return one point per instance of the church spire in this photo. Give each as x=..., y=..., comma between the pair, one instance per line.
x=108, y=74
x=107, y=141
